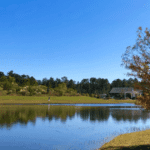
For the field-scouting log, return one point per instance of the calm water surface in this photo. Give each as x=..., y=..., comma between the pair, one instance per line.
x=67, y=127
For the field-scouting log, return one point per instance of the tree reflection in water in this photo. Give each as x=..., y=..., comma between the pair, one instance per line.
x=11, y=114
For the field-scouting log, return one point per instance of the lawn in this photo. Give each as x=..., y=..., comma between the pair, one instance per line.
x=57, y=99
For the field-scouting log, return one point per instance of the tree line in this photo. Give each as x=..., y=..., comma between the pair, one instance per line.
x=26, y=85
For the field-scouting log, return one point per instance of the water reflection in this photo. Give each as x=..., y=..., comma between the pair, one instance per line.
x=130, y=115
x=10, y=115
x=67, y=127
x=94, y=113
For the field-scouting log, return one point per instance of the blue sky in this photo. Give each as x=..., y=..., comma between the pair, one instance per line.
x=74, y=38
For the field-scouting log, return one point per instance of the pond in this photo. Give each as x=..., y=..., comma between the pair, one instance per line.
x=67, y=127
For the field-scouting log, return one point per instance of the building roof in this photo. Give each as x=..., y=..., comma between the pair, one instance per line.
x=124, y=90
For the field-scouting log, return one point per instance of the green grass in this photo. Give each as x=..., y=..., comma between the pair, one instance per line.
x=136, y=140
x=57, y=99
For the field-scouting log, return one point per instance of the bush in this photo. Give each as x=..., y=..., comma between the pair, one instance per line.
x=1, y=89
x=87, y=94
x=4, y=92
x=18, y=89
x=23, y=93
x=27, y=93
x=9, y=92
x=3, y=79
x=30, y=90
x=44, y=92
x=95, y=95
x=78, y=94
x=13, y=90
x=7, y=86
x=91, y=95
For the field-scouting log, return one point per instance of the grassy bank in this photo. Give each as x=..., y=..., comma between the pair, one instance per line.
x=136, y=140
x=57, y=99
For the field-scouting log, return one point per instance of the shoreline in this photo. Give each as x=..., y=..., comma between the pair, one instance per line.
x=55, y=103
x=60, y=100
x=134, y=140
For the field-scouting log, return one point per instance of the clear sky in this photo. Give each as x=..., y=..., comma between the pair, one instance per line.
x=73, y=38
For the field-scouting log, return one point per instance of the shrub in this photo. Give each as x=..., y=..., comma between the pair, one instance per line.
x=30, y=90
x=7, y=86
x=91, y=95
x=1, y=88
x=18, y=89
x=13, y=90
x=83, y=94
x=78, y=94
x=87, y=94
x=34, y=93
x=4, y=92
x=27, y=93
x=23, y=93
x=95, y=95
x=3, y=79
x=44, y=91
x=9, y=92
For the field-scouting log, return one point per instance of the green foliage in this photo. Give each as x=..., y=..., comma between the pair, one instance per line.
x=61, y=89
x=83, y=94
x=44, y=92
x=19, y=84
x=33, y=81
x=9, y=92
x=1, y=74
x=13, y=90
x=18, y=89
x=1, y=88
x=3, y=79
x=7, y=86
x=71, y=92
x=87, y=94
x=24, y=82
x=43, y=87
x=11, y=79
x=25, y=93
x=92, y=95
x=31, y=90
x=4, y=92
x=51, y=92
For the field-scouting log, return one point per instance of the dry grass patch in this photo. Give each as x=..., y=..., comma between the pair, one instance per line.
x=133, y=140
